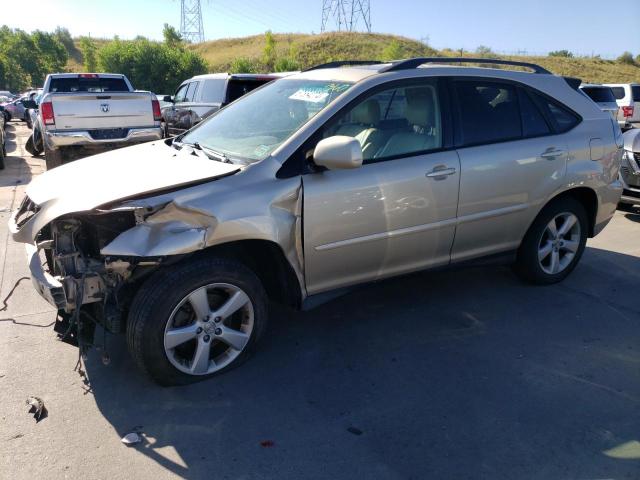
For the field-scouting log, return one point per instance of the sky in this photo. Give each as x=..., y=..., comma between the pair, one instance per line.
x=585, y=27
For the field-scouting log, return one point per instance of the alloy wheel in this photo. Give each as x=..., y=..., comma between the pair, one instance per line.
x=559, y=243
x=209, y=329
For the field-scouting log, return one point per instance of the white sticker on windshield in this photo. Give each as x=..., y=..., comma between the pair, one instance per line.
x=313, y=95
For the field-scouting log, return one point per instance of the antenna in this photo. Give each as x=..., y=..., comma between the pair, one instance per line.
x=346, y=14
x=191, y=27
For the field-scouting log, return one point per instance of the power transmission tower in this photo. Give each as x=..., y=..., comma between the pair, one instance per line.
x=191, y=27
x=346, y=14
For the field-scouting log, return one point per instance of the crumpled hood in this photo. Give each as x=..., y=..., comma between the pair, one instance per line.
x=125, y=173
x=88, y=183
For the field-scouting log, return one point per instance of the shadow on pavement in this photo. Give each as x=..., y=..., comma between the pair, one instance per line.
x=465, y=374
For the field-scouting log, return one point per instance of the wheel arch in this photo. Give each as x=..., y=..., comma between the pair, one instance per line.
x=268, y=261
x=587, y=197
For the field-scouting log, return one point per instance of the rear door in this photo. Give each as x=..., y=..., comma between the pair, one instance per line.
x=184, y=114
x=511, y=159
x=397, y=212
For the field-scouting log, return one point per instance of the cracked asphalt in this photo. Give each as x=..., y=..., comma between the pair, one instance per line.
x=465, y=374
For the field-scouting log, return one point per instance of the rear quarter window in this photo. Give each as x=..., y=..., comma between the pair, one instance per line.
x=561, y=117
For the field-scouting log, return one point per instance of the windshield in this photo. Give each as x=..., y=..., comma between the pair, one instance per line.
x=254, y=126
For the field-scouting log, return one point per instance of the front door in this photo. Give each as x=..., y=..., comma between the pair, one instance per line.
x=397, y=212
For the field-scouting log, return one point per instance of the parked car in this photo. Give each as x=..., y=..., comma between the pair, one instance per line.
x=6, y=94
x=83, y=113
x=630, y=170
x=200, y=96
x=16, y=108
x=628, y=98
x=604, y=98
x=319, y=181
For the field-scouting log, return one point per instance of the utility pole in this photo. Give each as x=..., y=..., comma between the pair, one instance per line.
x=191, y=27
x=346, y=14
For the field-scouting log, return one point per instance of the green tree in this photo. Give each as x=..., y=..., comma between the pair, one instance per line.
x=150, y=65
x=89, y=50
x=626, y=58
x=286, y=64
x=561, y=53
x=171, y=36
x=393, y=51
x=52, y=52
x=269, y=53
x=65, y=38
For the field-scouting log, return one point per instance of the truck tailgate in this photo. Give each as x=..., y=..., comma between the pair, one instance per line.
x=87, y=111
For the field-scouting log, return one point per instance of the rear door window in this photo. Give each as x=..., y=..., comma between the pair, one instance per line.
x=213, y=90
x=488, y=112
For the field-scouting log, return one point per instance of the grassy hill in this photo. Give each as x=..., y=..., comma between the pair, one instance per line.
x=310, y=50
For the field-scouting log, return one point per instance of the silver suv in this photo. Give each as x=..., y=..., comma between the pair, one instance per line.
x=321, y=180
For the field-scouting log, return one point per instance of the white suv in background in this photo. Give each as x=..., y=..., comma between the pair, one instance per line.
x=628, y=98
x=603, y=96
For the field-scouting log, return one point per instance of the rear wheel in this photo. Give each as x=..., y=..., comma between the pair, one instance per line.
x=554, y=243
x=3, y=153
x=52, y=157
x=196, y=320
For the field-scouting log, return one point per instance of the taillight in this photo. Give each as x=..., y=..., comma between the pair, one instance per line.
x=157, y=114
x=47, y=113
x=88, y=75
x=627, y=111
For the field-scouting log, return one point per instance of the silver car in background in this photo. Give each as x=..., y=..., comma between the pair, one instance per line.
x=322, y=180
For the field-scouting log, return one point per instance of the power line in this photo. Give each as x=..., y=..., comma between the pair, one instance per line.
x=346, y=14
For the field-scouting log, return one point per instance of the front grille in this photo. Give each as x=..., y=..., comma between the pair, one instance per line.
x=109, y=133
x=27, y=210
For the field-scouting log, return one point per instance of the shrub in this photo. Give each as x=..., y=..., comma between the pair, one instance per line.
x=393, y=51
x=626, y=58
x=484, y=51
x=243, y=65
x=561, y=53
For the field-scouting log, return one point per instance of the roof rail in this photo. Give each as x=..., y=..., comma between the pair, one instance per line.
x=411, y=63
x=343, y=63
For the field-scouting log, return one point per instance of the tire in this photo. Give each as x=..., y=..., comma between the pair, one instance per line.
x=2, y=156
x=626, y=207
x=53, y=158
x=566, y=249
x=29, y=146
x=164, y=297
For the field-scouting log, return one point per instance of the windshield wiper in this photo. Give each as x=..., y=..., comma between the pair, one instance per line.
x=210, y=153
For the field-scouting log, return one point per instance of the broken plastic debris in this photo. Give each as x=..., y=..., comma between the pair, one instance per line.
x=131, y=438
x=37, y=408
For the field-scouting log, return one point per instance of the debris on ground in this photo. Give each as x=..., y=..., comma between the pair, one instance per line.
x=354, y=430
x=37, y=408
x=267, y=443
x=132, y=438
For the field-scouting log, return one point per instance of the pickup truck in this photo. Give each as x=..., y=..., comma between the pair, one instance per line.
x=86, y=113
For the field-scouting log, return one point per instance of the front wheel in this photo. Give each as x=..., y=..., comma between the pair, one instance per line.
x=554, y=243
x=195, y=320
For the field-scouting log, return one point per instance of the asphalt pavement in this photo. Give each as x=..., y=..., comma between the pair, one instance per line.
x=464, y=374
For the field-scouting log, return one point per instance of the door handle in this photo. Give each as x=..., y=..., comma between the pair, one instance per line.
x=440, y=172
x=552, y=153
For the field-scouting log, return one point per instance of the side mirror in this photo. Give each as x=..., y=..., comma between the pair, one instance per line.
x=338, y=152
x=168, y=98
x=29, y=104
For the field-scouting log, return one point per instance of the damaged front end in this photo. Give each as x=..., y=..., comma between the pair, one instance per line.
x=86, y=287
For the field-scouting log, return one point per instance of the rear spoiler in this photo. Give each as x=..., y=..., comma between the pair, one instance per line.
x=573, y=82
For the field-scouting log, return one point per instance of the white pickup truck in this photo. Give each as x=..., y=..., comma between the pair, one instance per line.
x=87, y=113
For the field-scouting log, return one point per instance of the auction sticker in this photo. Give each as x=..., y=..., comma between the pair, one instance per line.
x=313, y=95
